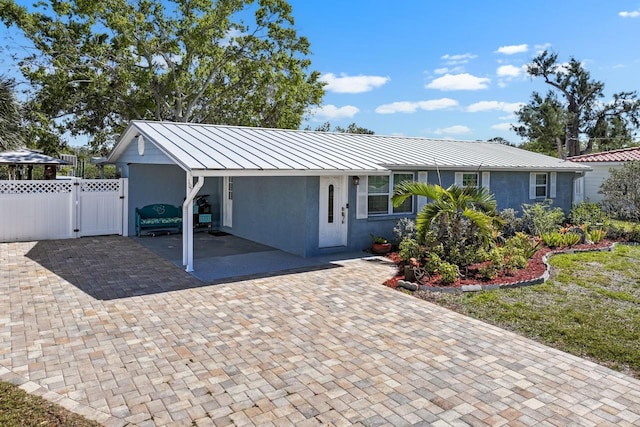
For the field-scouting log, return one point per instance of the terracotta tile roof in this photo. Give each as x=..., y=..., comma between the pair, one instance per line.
x=622, y=155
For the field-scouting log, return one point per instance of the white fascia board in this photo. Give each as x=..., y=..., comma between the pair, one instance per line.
x=282, y=172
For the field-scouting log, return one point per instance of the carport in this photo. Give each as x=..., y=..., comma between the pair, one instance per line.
x=280, y=171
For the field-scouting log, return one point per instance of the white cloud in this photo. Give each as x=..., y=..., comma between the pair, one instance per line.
x=632, y=14
x=452, y=130
x=464, y=81
x=331, y=112
x=513, y=49
x=412, y=107
x=458, y=59
x=509, y=71
x=539, y=48
x=352, y=84
x=502, y=126
x=507, y=107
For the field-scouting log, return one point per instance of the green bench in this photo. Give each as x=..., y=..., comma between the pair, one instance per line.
x=158, y=218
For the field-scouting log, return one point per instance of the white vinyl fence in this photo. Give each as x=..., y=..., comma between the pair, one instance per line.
x=62, y=209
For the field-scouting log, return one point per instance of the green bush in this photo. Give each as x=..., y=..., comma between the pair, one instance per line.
x=409, y=248
x=553, y=239
x=541, y=218
x=432, y=263
x=512, y=224
x=589, y=214
x=522, y=241
x=449, y=273
x=515, y=261
x=634, y=235
x=405, y=228
x=571, y=239
x=597, y=235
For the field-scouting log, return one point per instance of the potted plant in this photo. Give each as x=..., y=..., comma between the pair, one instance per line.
x=379, y=245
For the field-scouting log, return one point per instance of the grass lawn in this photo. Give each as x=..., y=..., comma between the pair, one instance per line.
x=17, y=408
x=590, y=307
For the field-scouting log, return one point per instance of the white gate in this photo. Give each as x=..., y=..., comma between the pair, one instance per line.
x=62, y=209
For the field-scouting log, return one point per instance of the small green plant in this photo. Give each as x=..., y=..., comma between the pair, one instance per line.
x=589, y=214
x=571, y=239
x=512, y=224
x=634, y=234
x=432, y=263
x=597, y=235
x=405, y=228
x=515, y=261
x=409, y=248
x=527, y=244
x=378, y=239
x=541, y=218
x=553, y=239
x=449, y=273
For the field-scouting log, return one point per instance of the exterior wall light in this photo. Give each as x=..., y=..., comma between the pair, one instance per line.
x=356, y=180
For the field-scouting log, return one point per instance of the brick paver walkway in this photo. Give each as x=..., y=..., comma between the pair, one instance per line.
x=106, y=328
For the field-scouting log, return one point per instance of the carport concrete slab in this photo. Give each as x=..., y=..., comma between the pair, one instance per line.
x=217, y=258
x=322, y=347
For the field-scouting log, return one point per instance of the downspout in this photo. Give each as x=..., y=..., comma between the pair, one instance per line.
x=187, y=221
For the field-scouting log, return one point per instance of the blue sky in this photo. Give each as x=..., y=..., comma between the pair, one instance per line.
x=452, y=69
x=455, y=69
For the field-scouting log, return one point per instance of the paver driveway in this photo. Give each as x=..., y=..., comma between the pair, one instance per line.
x=325, y=347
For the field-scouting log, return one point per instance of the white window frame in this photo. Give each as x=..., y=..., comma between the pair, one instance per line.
x=533, y=185
x=460, y=178
x=389, y=194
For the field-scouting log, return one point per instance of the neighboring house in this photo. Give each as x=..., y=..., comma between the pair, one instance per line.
x=312, y=193
x=22, y=161
x=601, y=164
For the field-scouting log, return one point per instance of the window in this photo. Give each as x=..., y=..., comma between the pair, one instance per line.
x=541, y=185
x=470, y=179
x=379, y=194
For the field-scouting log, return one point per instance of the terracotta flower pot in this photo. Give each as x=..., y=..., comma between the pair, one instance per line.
x=380, y=248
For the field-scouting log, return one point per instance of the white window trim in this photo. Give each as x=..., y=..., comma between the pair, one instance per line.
x=459, y=179
x=365, y=197
x=533, y=185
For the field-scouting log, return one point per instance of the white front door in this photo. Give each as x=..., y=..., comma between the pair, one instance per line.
x=333, y=211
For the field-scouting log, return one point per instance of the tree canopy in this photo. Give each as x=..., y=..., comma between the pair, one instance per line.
x=560, y=125
x=10, y=116
x=352, y=128
x=98, y=65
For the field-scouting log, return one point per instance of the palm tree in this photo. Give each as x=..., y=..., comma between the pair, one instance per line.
x=464, y=218
x=10, y=117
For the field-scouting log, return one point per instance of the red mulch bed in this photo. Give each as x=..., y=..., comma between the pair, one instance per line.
x=534, y=269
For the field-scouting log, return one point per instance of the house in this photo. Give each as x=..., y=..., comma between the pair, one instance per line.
x=314, y=193
x=21, y=162
x=601, y=164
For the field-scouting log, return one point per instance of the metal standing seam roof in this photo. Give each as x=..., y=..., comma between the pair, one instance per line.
x=217, y=147
x=25, y=156
x=622, y=155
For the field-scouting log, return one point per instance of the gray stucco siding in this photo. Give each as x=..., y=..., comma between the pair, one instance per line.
x=150, y=184
x=274, y=211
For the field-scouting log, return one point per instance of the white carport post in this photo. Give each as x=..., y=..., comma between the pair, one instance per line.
x=187, y=221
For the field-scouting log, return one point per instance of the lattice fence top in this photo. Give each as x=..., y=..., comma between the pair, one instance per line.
x=35, y=187
x=99, y=185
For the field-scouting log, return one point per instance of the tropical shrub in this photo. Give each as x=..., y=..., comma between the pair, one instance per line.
x=596, y=235
x=589, y=214
x=556, y=239
x=405, y=228
x=523, y=242
x=409, y=248
x=463, y=219
x=634, y=234
x=512, y=224
x=449, y=273
x=432, y=263
x=540, y=218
